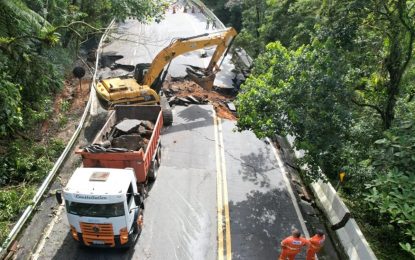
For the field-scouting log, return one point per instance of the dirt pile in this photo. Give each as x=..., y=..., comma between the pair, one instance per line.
x=185, y=92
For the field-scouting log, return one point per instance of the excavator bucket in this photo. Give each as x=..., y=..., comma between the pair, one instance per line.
x=201, y=77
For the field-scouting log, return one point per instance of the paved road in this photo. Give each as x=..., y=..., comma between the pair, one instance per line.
x=219, y=193
x=181, y=217
x=140, y=43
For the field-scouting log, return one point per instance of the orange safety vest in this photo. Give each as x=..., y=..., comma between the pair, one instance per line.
x=293, y=244
x=316, y=242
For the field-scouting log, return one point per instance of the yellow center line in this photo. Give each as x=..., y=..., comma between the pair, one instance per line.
x=219, y=191
x=225, y=197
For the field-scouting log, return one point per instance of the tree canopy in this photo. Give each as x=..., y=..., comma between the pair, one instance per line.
x=38, y=39
x=339, y=77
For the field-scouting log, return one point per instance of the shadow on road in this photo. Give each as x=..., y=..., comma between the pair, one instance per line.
x=256, y=167
x=194, y=117
x=70, y=249
x=260, y=223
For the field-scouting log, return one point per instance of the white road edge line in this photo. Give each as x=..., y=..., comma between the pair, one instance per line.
x=290, y=190
x=45, y=236
x=218, y=190
x=225, y=194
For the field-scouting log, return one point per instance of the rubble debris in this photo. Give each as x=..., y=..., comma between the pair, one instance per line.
x=193, y=99
x=184, y=101
x=125, y=67
x=238, y=80
x=128, y=125
x=231, y=106
x=108, y=59
x=106, y=144
x=127, y=135
x=185, y=93
x=130, y=142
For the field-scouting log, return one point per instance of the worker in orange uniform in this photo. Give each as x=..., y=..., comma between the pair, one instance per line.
x=292, y=245
x=315, y=244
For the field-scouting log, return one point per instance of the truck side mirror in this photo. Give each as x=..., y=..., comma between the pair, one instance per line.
x=58, y=196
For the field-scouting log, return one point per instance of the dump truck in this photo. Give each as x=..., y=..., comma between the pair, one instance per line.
x=104, y=199
x=143, y=159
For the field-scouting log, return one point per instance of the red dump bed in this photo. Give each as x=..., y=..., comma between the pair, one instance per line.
x=140, y=160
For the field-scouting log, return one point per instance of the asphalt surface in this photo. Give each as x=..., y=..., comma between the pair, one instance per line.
x=261, y=209
x=135, y=43
x=181, y=210
x=218, y=191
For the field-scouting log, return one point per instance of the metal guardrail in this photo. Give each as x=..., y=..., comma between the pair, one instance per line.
x=209, y=13
x=42, y=189
x=46, y=183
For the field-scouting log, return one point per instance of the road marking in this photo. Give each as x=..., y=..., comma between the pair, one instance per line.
x=222, y=194
x=135, y=51
x=225, y=196
x=218, y=190
x=290, y=190
x=45, y=236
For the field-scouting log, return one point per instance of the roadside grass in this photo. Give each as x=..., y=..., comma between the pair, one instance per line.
x=24, y=166
x=13, y=200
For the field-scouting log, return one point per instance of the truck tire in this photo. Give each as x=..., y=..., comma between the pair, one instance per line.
x=166, y=111
x=152, y=172
x=158, y=156
x=167, y=117
x=137, y=229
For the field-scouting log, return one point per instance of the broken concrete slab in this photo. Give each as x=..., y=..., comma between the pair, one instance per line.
x=128, y=125
x=193, y=99
x=147, y=124
x=174, y=89
x=183, y=100
x=231, y=106
x=130, y=142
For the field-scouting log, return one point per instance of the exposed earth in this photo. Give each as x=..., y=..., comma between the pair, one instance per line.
x=184, y=88
x=69, y=105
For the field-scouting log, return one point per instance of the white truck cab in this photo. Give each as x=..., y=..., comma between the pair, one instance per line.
x=104, y=207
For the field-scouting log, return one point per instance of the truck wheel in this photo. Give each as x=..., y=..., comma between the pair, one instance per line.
x=137, y=228
x=152, y=172
x=158, y=156
x=166, y=111
x=167, y=117
x=143, y=190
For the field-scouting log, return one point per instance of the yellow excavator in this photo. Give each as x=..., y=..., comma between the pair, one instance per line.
x=145, y=87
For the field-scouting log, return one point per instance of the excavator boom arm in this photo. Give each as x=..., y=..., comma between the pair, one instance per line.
x=183, y=45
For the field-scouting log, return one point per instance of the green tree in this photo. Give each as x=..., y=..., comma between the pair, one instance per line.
x=38, y=40
x=301, y=93
x=348, y=98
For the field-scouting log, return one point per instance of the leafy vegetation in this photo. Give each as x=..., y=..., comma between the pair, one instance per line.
x=38, y=42
x=339, y=76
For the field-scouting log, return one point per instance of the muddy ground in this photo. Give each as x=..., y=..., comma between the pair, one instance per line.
x=218, y=98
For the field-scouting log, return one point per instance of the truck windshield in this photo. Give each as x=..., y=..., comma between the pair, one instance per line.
x=95, y=210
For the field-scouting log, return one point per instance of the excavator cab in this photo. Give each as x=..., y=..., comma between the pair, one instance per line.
x=140, y=72
x=126, y=91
